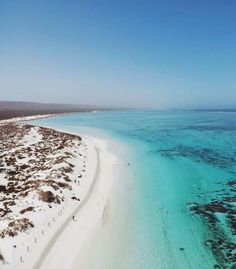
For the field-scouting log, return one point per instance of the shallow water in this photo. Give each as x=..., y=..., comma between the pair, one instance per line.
x=176, y=159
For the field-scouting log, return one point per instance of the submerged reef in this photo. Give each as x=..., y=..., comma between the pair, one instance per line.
x=205, y=155
x=219, y=215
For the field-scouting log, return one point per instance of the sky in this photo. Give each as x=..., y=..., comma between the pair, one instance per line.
x=157, y=54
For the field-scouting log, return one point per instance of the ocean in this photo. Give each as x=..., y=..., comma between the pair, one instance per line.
x=175, y=208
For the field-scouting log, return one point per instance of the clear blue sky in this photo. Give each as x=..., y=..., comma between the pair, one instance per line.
x=164, y=54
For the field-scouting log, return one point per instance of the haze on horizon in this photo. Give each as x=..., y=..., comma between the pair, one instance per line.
x=159, y=54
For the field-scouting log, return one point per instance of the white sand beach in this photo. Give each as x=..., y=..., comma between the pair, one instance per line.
x=28, y=118
x=60, y=230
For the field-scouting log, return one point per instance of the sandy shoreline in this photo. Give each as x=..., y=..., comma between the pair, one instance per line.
x=60, y=240
x=28, y=118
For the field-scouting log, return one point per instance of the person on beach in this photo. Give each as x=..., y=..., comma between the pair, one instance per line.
x=73, y=218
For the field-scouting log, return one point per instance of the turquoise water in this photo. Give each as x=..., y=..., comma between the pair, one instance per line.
x=182, y=203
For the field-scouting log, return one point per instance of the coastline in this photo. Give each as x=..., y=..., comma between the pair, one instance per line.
x=46, y=253
x=90, y=214
x=28, y=118
x=115, y=221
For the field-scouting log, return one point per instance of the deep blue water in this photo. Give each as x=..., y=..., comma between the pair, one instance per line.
x=182, y=205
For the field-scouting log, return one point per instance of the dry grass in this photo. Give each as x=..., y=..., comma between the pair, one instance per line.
x=21, y=177
x=16, y=226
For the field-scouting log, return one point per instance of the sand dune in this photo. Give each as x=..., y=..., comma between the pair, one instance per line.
x=60, y=186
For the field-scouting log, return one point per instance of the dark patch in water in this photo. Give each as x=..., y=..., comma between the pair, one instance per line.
x=221, y=242
x=219, y=128
x=205, y=155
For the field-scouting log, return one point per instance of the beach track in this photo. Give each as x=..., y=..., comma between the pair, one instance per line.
x=55, y=237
